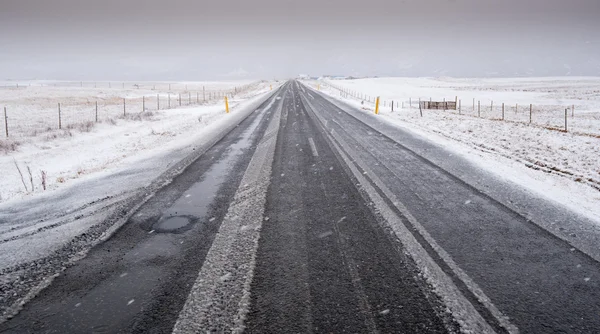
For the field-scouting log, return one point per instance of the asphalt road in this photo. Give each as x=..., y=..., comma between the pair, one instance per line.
x=310, y=217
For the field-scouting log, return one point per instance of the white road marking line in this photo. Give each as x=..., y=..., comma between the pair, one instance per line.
x=463, y=311
x=221, y=305
x=313, y=147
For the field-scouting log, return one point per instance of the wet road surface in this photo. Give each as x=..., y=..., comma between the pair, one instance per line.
x=308, y=218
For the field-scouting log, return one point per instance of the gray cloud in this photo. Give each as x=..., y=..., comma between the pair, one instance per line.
x=188, y=40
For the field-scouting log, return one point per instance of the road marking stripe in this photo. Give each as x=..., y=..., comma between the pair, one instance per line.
x=461, y=308
x=313, y=147
x=220, y=297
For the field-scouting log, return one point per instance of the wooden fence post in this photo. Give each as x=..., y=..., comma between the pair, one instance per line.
x=59, y=118
x=502, y=111
x=96, y=111
x=203, y=94
x=459, y=106
x=197, y=98
x=124, y=108
x=410, y=102
x=180, y=99
x=530, y=112
x=143, y=103
x=566, y=111
x=6, y=122
x=157, y=101
x=445, y=104
x=478, y=108
x=169, y=95
x=420, y=109
x=573, y=111
x=392, y=105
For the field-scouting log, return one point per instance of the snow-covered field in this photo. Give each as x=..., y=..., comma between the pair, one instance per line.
x=565, y=167
x=84, y=147
x=32, y=109
x=95, y=179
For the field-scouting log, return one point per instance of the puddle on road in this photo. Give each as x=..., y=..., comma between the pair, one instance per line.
x=194, y=202
x=173, y=223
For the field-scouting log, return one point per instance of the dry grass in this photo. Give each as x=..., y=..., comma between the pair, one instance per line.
x=141, y=116
x=59, y=134
x=8, y=145
x=82, y=127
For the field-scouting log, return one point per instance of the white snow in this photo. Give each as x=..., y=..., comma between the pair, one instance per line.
x=74, y=154
x=89, y=173
x=563, y=167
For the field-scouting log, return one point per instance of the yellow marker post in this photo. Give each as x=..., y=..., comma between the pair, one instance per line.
x=377, y=106
x=226, y=105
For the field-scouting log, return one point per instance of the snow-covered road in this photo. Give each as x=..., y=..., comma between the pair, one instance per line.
x=313, y=215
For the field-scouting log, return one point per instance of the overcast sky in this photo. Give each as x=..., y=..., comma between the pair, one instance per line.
x=230, y=39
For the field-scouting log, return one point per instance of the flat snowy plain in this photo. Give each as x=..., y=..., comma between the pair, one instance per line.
x=561, y=166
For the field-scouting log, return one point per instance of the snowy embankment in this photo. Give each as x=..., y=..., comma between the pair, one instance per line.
x=95, y=181
x=84, y=147
x=562, y=166
x=88, y=173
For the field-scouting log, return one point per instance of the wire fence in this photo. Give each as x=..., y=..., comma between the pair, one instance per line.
x=557, y=117
x=33, y=116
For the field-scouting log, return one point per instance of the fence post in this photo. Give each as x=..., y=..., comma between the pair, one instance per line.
x=59, y=118
x=169, y=95
x=377, y=106
x=445, y=108
x=180, y=99
x=392, y=105
x=157, y=101
x=124, y=108
x=410, y=103
x=226, y=105
x=203, y=94
x=459, y=106
x=492, y=107
x=479, y=109
x=420, y=108
x=197, y=98
x=530, y=112
x=502, y=111
x=6, y=122
x=573, y=111
x=566, y=111
x=189, y=98
x=143, y=103
x=96, y=111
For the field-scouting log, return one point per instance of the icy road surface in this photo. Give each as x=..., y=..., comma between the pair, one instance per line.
x=314, y=217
